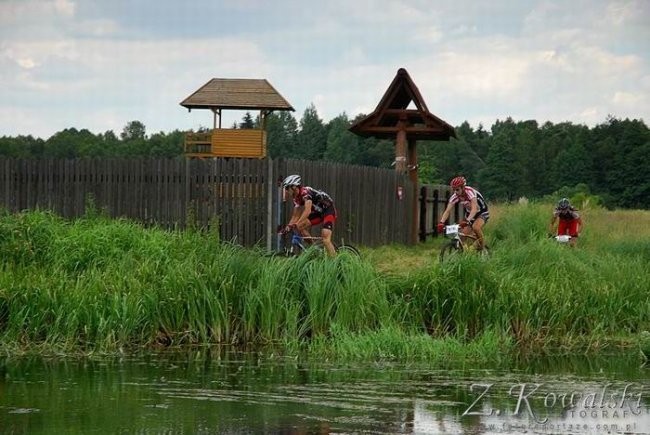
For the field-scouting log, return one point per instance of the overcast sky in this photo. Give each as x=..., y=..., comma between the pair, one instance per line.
x=98, y=64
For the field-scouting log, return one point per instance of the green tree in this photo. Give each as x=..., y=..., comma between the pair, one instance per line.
x=312, y=137
x=342, y=145
x=133, y=130
x=247, y=121
x=572, y=166
x=21, y=146
x=281, y=134
x=166, y=145
x=376, y=152
x=502, y=173
x=70, y=143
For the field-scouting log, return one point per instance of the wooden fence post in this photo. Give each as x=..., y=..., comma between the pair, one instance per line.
x=269, y=203
x=436, y=211
x=424, y=196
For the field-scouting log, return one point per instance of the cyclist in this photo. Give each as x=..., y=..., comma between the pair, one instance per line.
x=310, y=207
x=569, y=223
x=476, y=209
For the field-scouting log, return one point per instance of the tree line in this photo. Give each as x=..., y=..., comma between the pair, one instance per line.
x=608, y=162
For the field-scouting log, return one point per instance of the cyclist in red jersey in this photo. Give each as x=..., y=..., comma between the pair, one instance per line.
x=310, y=207
x=569, y=223
x=476, y=209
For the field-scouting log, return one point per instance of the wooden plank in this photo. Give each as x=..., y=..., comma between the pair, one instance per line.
x=227, y=178
x=217, y=194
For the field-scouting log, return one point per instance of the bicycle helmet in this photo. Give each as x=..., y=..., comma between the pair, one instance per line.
x=292, y=180
x=563, y=204
x=458, y=182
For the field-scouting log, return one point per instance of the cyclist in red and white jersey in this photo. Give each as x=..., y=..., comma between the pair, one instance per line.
x=476, y=209
x=310, y=207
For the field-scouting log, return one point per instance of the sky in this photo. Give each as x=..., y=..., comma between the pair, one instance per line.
x=99, y=64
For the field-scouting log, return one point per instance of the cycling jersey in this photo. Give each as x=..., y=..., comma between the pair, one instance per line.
x=319, y=200
x=465, y=200
x=566, y=215
x=322, y=206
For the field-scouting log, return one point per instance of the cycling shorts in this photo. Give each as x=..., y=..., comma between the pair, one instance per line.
x=327, y=217
x=569, y=227
x=485, y=216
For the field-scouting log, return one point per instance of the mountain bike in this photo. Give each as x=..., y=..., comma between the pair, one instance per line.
x=298, y=244
x=459, y=242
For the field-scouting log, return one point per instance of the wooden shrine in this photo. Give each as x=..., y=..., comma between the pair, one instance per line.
x=392, y=119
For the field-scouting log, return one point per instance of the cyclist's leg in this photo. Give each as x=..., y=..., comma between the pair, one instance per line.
x=305, y=229
x=478, y=229
x=329, y=217
x=573, y=231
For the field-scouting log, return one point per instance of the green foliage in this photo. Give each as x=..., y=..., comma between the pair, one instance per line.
x=99, y=284
x=312, y=137
x=580, y=196
x=342, y=145
x=502, y=173
x=281, y=133
x=247, y=121
x=134, y=130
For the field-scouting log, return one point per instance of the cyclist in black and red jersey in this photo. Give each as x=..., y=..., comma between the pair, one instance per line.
x=310, y=207
x=476, y=209
x=570, y=221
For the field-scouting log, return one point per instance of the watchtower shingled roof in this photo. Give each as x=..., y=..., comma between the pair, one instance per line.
x=238, y=94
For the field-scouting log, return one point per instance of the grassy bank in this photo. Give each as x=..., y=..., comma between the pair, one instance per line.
x=110, y=285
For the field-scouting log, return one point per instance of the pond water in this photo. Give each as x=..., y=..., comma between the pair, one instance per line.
x=200, y=392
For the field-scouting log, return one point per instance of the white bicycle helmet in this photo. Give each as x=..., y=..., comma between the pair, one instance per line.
x=292, y=180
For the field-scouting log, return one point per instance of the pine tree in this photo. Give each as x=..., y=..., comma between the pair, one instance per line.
x=281, y=134
x=312, y=137
x=342, y=145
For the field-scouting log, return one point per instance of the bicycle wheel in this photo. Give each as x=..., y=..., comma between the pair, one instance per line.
x=485, y=252
x=450, y=250
x=347, y=248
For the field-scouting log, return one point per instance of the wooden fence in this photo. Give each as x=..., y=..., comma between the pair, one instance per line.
x=241, y=196
x=433, y=199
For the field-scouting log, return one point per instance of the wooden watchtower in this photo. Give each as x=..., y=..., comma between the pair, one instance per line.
x=392, y=119
x=232, y=94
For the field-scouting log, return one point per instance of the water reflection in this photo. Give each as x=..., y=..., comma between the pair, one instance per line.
x=245, y=393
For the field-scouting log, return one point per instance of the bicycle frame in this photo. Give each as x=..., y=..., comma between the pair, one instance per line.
x=459, y=241
x=297, y=245
x=297, y=240
x=460, y=237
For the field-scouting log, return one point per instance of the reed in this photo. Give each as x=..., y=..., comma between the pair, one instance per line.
x=96, y=284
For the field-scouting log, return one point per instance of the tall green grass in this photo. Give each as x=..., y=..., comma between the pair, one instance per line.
x=95, y=284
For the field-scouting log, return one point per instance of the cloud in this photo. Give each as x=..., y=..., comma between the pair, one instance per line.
x=90, y=62
x=64, y=7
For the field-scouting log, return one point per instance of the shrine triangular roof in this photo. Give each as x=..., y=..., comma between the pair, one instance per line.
x=393, y=108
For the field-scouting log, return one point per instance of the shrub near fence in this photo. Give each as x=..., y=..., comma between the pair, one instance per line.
x=242, y=196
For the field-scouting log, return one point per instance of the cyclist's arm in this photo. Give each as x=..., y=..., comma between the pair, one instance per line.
x=551, y=226
x=445, y=214
x=295, y=215
x=304, y=216
x=473, y=210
